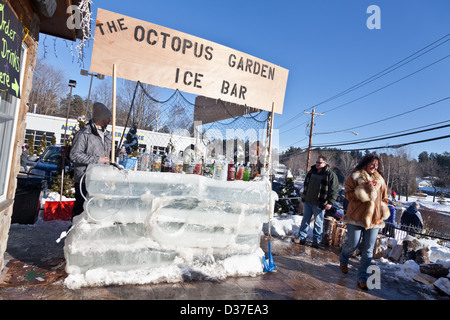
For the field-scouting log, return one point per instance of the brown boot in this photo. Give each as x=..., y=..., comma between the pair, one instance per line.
x=344, y=268
x=362, y=285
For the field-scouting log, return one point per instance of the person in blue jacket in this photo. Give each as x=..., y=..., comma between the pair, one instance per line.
x=390, y=222
x=411, y=219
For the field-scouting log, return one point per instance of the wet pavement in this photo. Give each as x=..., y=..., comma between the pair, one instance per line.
x=35, y=271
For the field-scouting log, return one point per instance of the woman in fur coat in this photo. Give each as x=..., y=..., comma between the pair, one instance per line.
x=366, y=192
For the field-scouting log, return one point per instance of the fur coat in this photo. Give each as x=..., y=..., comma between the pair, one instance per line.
x=366, y=209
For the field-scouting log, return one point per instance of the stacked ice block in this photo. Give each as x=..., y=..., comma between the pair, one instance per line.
x=142, y=220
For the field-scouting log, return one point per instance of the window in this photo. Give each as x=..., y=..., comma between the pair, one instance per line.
x=9, y=110
x=38, y=137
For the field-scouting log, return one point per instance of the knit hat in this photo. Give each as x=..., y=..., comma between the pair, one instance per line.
x=101, y=112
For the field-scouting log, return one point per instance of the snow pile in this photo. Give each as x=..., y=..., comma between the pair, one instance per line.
x=181, y=270
x=427, y=202
x=282, y=227
x=409, y=270
x=437, y=252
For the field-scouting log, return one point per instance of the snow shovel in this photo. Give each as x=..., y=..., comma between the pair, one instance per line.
x=270, y=265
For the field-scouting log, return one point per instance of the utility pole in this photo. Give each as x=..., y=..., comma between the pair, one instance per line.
x=313, y=114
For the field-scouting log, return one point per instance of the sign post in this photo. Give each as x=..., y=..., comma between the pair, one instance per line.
x=113, y=147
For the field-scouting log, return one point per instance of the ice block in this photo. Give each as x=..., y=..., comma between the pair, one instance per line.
x=136, y=220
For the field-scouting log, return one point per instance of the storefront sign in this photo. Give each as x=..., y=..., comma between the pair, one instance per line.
x=11, y=50
x=168, y=58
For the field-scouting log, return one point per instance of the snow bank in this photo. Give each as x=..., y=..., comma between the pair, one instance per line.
x=283, y=226
x=207, y=269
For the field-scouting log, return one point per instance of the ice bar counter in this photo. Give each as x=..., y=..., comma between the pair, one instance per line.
x=136, y=220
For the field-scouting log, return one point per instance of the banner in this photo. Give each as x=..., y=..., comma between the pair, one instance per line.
x=11, y=50
x=171, y=59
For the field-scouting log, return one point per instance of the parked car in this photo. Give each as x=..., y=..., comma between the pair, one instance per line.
x=47, y=164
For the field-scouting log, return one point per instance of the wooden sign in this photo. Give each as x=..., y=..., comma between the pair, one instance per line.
x=11, y=50
x=171, y=59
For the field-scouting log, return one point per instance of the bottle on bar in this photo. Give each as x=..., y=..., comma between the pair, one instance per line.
x=247, y=172
x=157, y=162
x=240, y=172
x=231, y=171
x=123, y=156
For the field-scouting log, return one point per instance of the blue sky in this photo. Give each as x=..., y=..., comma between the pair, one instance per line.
x=327, y=48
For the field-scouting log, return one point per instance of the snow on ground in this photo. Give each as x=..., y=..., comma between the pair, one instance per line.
x=280, y=226
x=427, y=202
x=288, y=227
x=206, y=268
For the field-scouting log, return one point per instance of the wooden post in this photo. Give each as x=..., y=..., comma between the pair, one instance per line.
x=269, y=165
x=313, y=114
x=113, y=148
x=64, y=145
x=268, y=147
x=328, y=227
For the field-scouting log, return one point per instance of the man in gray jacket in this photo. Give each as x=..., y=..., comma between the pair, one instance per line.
x=91, y=144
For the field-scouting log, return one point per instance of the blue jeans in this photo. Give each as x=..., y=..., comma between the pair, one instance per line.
x=309, y=210
x=368, y=243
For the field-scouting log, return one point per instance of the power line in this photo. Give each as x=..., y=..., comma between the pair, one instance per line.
x=365, y=140
x=379, y=89
x=388, y=85
x=397, y=132
x=397, y=115
x=391, y=137
x=301, y=124
x=378, y=121
x=385, y=72
x=374, y=77
x=401, y=145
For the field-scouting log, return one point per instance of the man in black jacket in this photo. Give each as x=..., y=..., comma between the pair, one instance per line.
x=320, y=191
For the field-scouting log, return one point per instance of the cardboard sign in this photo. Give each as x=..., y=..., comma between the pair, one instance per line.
x=11, y=50
x=171, y=59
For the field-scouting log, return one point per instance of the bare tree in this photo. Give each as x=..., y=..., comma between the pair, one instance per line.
x=346, y=164
x=405, y=171
x=146, y=112
x=49, y=85
x=432, y=172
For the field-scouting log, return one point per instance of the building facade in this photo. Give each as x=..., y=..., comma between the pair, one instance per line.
x=39, y=124
x=21, y=23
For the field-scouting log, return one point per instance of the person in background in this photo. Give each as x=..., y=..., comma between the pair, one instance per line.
x=91, y=145
x=320, y=191
x=393, y=195
x=390, y=222
x=366, y=191
x=411, y=219
x=24, y=157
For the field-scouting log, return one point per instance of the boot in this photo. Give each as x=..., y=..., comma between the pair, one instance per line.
x=362, y=285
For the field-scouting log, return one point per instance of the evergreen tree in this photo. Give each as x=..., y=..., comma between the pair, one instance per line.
x=31, y=144
x=42, y=145
x=53, y=141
